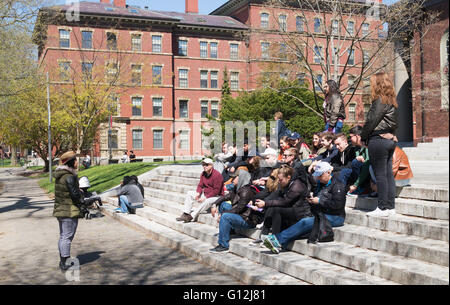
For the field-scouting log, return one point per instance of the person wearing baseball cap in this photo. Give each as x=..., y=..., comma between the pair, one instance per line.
x=209, y=189
x=329, y=197
x=68, y=197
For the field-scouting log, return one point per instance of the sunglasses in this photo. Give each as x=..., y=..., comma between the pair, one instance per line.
x=287, y=155
x=272, y=177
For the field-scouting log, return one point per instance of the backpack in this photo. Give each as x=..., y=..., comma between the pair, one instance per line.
x=322, y=230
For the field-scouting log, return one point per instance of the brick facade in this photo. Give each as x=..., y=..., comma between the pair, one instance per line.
x=194, y=52
x=429, y=66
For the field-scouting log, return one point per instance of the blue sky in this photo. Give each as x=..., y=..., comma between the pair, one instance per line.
x=204, y=6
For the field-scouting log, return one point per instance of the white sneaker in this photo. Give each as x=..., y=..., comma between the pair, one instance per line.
x=380, y=213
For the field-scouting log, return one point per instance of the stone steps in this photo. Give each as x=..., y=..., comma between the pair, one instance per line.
x=294, y=264
x=390, y=267
x=433, y=251
x=241, y=268
x=405, y=206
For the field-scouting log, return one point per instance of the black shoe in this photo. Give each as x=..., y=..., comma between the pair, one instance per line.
x=63, y=264
x=219, y=249
x=183, y=217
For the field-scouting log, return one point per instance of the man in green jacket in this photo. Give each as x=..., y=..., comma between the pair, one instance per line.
x=362, y=155
x=68, y=198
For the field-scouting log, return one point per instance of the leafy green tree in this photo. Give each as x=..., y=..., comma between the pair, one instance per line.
x=294, y=101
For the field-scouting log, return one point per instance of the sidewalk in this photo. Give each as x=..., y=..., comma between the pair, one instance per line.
x=108, y=252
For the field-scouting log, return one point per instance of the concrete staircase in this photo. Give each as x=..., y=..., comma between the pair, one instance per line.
x=410, y=248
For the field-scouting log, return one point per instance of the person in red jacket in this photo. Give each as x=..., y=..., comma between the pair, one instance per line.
x=209, y=189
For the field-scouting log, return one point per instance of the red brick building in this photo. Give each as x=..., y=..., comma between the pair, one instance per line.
x=173, y=65
x=429, y=76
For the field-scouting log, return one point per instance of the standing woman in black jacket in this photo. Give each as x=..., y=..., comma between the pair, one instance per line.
x=379, y=133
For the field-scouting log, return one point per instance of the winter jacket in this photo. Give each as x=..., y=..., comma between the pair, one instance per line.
x=334, y=110
x=330, y=155
x=68, y=196
x=381, y=119
x=239, y=203
x=293, y=196
x=345, y=158
x=332, y=197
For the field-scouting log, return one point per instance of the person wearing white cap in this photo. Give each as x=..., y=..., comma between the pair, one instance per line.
x=329, y=197
x=209, y=189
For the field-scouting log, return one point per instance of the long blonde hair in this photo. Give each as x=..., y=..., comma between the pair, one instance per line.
x=383, y=88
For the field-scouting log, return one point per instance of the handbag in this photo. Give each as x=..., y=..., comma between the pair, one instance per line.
x=322, y=230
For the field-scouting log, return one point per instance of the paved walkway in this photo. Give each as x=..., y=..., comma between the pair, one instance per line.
x=108, y=252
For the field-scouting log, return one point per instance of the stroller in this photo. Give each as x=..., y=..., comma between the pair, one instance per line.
x=92, y=202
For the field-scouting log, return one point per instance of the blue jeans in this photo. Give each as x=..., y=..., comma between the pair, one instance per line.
x=224, y=206
x=124, y=204
x=304, y=226
x=349, y=175
x=337, y=129
x=230, y=221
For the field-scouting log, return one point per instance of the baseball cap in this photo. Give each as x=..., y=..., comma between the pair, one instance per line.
x=269, y=151
x=322, y=167
x=294, y=136
x=207, y=161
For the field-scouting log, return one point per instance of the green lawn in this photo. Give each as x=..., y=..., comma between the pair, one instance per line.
x=105, y=177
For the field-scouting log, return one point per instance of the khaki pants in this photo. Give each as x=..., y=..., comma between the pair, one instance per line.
x=189, y=202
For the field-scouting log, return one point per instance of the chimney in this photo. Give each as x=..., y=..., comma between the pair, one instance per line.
x=120, y=3
x=191, y=6
x=105, y=1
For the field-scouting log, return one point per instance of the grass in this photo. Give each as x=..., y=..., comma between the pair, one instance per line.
x=104, y=177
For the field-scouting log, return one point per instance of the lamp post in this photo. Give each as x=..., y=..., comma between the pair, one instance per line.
x=49, y=130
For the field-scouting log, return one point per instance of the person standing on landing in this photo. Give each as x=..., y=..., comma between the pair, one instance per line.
x=379, y=133
x=334, y=107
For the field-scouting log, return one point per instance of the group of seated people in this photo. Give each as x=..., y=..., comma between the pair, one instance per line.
x=279, y=189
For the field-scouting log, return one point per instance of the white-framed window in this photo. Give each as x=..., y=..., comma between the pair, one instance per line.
x=234, y=80
x=265, y=49
x=182, y=47
x=157, y=106
x=317, y=54
x=352, y=112
x=318, y=83
x=156, y=43
x=158, y=138
x=214, y=79
x=301, y=78
x=264, y=20
x=64, y=71
x=183, y=78
x=136, y=42
x=86, y=69
x=184, y=139
x=366, y=57
x=112, y=72
x=204, y=108
x=111, y=41
x=137, y=138
x=282, y=21
x=215, y=109
x=113, y=139
x=157, y=75
x=203, y=49
x=317, y=25
x=351, y=57
x=184, y=110
x=86, y=39
x=351, y=83
x=64, y=38
x=203, y=79
x=213, y=50
x=365, y=29
x=351, y=28
x=234, y=51
x=136, y=74
x=300, y=24
x=136, y=106
x=335, y=27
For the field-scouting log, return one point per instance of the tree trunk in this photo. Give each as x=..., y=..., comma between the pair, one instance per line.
x=13, y=156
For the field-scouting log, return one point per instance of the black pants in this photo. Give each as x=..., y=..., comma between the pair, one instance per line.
x=278, y=219
x=380, y=155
